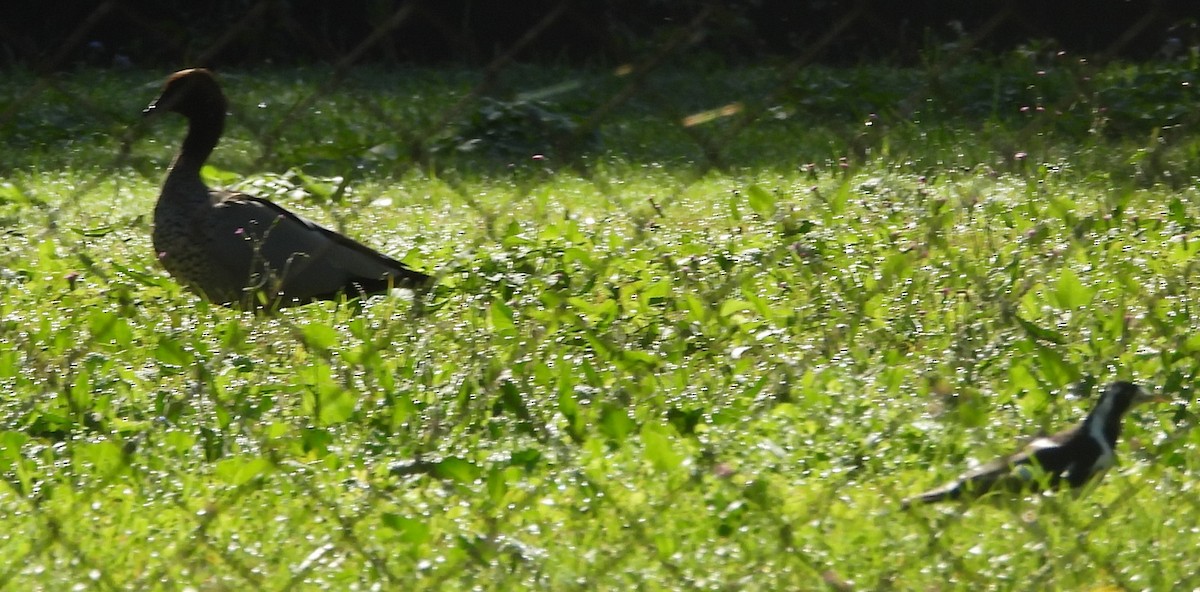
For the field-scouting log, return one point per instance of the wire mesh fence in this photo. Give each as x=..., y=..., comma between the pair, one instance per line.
x=437, y=515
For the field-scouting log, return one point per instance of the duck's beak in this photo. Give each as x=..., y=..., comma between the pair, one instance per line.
x=160, y=104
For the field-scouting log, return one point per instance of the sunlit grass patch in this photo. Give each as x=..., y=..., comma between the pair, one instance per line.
x=640, y=368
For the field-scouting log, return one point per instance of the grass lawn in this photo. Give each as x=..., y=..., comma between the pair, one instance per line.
x=659, y=356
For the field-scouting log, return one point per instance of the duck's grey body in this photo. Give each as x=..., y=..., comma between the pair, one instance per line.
x=241, y=250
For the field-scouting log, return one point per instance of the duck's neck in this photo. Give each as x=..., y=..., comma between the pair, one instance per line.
x=204, y=130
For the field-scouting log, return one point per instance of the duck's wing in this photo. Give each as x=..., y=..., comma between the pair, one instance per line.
x=295, y=259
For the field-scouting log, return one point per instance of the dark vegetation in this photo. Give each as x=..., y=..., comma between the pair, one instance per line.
x=225, y=33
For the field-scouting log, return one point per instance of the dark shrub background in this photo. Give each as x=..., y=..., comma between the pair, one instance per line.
x=70, y=33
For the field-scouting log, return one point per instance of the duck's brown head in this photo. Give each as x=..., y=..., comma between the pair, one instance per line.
x=192, y=93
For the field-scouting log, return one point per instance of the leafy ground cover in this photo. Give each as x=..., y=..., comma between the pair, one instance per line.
x=663, y=356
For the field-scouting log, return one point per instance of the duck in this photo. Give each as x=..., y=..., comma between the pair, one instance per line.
x=244, y=251
x=1069, y=459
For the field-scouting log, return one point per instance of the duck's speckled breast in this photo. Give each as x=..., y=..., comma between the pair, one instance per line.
x=181, y=240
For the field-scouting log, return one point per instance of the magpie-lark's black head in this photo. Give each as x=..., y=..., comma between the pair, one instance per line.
x=1118, y=398
x=1115, y=401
